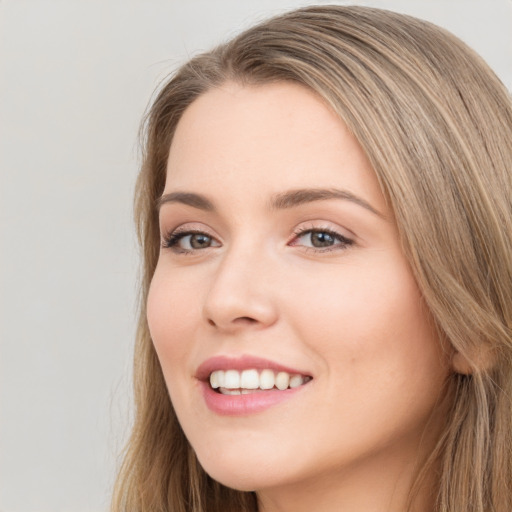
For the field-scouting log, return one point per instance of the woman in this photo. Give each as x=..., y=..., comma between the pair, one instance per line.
x=325, y=212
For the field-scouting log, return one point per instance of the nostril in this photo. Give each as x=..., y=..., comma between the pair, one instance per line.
x=241, y=320
x=245, y=320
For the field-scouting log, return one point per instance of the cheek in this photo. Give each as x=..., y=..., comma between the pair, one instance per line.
x=379, y=354
x=171, y=314
x=369, y=321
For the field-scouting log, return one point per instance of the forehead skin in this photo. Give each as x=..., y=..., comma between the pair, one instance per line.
x=243, y=149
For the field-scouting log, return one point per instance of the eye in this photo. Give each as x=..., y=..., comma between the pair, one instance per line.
x=189, y=241
x=321, y=239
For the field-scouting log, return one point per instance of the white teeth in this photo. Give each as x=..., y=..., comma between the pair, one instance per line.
x=296, y=381
x=217, y=379
x=233, y=382
x=250, y=379
x=226, y=391
x=232, y=379
x=267, y=379
x=282, y=380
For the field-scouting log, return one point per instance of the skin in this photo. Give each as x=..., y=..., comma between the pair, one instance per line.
x=351, y=316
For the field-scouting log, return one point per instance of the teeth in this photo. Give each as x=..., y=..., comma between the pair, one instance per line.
x=226, y=391
x=282, y=380
x=296, y=381
x=267, y=379
x=217, y=379
x=232, y=379
x=233, y=382
x=249, y=379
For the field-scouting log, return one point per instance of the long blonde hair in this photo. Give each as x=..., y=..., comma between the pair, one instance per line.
x=436, y=124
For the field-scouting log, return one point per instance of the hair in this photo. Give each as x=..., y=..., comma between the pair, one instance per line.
x=436, y=125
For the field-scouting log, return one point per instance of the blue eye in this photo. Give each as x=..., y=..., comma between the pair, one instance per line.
x=188, y=241
x=322, y=239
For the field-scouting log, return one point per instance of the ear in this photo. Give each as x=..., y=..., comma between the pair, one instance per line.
x=483, y=360
x=460, y=364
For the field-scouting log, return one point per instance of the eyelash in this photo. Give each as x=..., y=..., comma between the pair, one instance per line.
x=343, y=241
x=172, y=240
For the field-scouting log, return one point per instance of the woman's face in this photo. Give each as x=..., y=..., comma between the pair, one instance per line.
x=281, y=267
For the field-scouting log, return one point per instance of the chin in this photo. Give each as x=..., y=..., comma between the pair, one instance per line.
x=242, y=474
x=245, y=480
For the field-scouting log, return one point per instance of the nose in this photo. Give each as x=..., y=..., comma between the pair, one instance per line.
x=241, y=293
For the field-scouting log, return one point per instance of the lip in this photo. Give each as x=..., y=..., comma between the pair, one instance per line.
x=251, y=403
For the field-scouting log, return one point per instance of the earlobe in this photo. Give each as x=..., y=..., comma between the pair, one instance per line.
x=460, y=364
x=483, y=361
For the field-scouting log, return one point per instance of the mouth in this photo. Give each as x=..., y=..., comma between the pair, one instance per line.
x=235, y=382
x=246, y=384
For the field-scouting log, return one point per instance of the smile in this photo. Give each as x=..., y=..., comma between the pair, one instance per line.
x=245, y=385
x=234, y=382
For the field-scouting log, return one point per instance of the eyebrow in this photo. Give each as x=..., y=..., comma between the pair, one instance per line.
x=297, y=197
x=189, y=198
x=281, y=201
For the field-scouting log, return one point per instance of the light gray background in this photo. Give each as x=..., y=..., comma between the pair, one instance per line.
x=75, y=78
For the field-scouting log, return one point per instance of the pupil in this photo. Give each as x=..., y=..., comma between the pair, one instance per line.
x=199, y=241
x=321, y=239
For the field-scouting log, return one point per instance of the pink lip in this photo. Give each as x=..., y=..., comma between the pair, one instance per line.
x=240, y=405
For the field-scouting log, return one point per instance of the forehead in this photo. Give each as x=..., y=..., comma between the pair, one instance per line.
x=275, y=136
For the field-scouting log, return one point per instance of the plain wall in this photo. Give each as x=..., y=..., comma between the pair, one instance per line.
x=75, y=78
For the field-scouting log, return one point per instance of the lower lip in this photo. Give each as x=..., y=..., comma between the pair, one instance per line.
x=240, y=405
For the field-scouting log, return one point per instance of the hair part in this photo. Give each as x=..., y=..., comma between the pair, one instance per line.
x=436, y=125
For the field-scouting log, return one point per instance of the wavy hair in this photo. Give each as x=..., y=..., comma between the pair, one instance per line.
x=436, y=125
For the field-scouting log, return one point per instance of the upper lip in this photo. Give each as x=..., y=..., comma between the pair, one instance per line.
x=240, y=363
